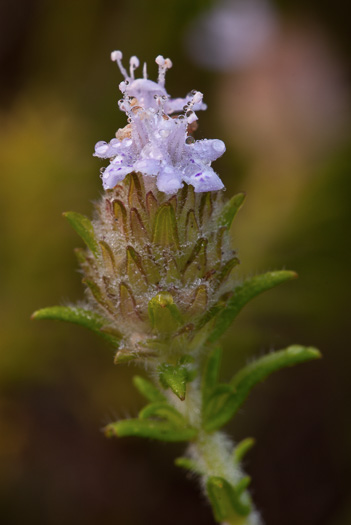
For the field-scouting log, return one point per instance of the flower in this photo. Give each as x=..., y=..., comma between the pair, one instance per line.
x=154, y=143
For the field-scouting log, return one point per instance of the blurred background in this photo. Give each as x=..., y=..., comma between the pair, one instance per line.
x=276, y=77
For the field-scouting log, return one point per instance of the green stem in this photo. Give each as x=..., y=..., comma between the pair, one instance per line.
x=212, y=453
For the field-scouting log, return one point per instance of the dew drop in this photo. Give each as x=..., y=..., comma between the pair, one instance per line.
x=181, y=117
x=189, y=113
x=189, y=140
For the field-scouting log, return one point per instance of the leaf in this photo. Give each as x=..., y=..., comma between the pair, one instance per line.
x=84, y=228
x=165, y=227
x=164, y=314
x=218, y=409
x=163, y=411
x=81, y=316
x=243, y=294
x=257, y=371
x=210, y=376
x=148, y=390
x=224, y=500
x=242, y=485
x=242, y=449
x=188, y=464
x=230, y=209
x=175, y=377
x=161, y=430
x=225, y=400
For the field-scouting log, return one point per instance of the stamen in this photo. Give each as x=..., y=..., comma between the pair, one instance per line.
x=133, y=65
x=163, y=65
x=145, y=70
x=197, y=97
x=116, y=56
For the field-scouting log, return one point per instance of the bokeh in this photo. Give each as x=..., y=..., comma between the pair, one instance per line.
x=276, y=78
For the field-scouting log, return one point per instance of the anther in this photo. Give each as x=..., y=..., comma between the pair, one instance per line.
x=116, y=56
x=133, y=65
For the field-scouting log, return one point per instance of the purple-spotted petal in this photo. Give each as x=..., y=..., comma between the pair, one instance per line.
x=113, y=174
x=169, y=180
x=205, y=180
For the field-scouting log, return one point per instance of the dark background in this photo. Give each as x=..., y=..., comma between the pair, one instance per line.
x=284, y=114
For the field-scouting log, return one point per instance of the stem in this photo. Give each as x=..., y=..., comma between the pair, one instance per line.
x=212, y=452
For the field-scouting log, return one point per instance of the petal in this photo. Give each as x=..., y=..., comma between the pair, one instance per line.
x=169, y=180
x=113, y=174
x=208, y=150
x=205, y=180
x=147, y=166
x=101, y=148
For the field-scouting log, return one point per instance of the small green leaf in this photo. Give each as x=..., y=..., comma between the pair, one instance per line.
x=81, y=316
x=242, y=485
x=122, y=357
x=164, y=314
x=242, y=449
x=165, y=231
x=84, y=228
x=257, y=371
x=230, y=210
x=175, y=377
x=210, y=376
x=224, y=500
x=163, y=411
x=148, y=390
x=188, y=464
x=243, y=294
x=217, y=410
x=161, y=430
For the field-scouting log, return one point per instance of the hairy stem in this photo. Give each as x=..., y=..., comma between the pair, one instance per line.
x=212, y=452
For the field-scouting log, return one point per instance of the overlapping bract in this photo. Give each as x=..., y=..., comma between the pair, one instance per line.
x=155, y=265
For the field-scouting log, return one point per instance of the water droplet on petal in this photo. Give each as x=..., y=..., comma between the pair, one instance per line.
x=189, y=140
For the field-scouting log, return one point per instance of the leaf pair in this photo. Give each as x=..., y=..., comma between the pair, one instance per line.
x=221, y=401
x=158, y=420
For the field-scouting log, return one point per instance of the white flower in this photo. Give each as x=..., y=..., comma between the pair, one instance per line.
x=155, y=144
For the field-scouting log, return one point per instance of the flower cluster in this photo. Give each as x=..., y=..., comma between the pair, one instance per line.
x=154, y=143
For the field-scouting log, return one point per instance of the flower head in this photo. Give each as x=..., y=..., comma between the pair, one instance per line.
x=154, y=143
